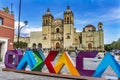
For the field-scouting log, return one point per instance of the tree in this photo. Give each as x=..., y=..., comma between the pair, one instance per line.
x=108, y=47
x=114, y=45
x=6, y=9
x=22, y=45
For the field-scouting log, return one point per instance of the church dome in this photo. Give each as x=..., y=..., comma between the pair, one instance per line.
x=100, y=23
x=89, y=28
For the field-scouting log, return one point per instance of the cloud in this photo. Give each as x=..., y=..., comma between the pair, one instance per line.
x=113, y=14
x=25, y=31
x=107, y=16
x=21, y=24
x=77, y=30
x=110, y=19
x=109, y=39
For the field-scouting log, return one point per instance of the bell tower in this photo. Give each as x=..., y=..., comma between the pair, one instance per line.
x=68, y=16
x=68, y=27
x=100, y=24
x=101, y=35
x=47, y=18
x=46, y=28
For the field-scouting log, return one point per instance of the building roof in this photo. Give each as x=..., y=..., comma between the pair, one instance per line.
x=100, y=23
x=89, y=26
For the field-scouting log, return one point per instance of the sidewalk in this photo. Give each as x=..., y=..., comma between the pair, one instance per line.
x=6, y=75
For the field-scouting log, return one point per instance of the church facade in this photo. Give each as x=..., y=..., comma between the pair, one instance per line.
x=60, y=34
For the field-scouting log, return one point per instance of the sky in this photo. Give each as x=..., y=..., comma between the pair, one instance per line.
x=85, y=12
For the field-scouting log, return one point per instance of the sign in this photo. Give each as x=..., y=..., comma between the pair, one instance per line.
x=36, y=60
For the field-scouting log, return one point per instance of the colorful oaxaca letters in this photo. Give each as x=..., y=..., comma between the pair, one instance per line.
x=12, y=58
x=36, y=61
x=79, y=62
x=28, y=59
x=108, y=60
x=64, y=59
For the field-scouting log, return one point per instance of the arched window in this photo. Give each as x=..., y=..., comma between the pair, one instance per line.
x=67, y=20
x=34, y=44
x=80, y=38
x=34, y=47
x=47, y=22
x=39, y=45
x=68, y=37
x=57, y=30
x=44, y=37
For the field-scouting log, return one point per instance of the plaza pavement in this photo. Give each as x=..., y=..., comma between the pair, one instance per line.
x=88, y=64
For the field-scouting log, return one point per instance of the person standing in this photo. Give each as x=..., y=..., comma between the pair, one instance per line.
x=76, y=50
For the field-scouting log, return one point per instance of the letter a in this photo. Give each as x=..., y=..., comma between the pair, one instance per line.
x=108, y=60
x=65, y=59
x=29, y=59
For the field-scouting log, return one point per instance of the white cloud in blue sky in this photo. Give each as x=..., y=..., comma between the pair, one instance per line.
x=25, y=31
x=85, y=12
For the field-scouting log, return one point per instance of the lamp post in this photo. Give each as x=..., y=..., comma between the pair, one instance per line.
x=19, y=23
x=19, y=29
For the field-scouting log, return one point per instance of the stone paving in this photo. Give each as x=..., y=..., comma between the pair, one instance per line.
x=5, y=75
x=88, y=64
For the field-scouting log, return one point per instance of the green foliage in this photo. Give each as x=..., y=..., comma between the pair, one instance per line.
x=6, y=9
x=22, y=45
x=113, y=45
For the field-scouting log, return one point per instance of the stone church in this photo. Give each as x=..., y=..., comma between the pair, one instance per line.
x=61, y=34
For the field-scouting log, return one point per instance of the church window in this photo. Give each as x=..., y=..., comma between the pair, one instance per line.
x=80, y=38
x=46, y=21
x=100, y=26
x=62, y=38
x=58, y=38
x=68, y=37
x=34, y=46
x=45, y=37
x=76, y=39
x=70, y=19
x=67, y=20
x=39, y=45
x=57, y=30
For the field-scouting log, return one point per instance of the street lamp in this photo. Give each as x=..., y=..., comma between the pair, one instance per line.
x=25, y=24
x=19, y=29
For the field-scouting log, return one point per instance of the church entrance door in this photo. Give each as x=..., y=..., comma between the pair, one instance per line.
x=89, y=46
x=57, y=45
